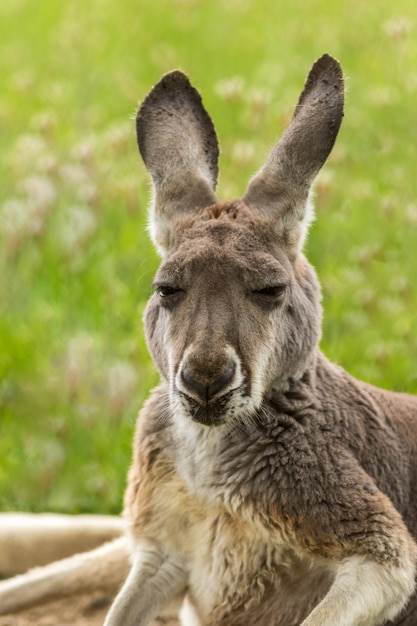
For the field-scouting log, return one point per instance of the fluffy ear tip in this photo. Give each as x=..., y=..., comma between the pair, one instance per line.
x=329, y=63
x=325, y=78
x=170, y=81
x=328, y=66
x=174, y=77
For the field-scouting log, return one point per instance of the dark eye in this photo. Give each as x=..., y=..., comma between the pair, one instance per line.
x=165, y=291
x=272, y=292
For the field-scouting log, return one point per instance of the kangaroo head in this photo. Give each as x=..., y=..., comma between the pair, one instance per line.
x=236, y=313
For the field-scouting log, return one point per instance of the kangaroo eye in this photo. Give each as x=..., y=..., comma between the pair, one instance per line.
x=165, y=291
x=274, y=291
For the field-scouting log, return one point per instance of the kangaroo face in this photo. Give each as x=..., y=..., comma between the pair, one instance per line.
x=233, y=317
x=236, y=312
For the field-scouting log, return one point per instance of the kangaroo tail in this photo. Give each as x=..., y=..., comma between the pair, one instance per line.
x=103, y=568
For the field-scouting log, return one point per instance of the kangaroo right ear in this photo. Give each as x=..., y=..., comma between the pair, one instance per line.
x=281, y=188
x=179, y=147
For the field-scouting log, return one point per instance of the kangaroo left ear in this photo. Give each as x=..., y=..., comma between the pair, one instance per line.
x=281, y=188
x=178, y=144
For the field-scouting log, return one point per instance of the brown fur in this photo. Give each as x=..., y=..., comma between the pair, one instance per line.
x=267, y=486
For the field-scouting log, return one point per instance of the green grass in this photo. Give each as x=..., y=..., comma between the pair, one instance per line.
x=75, y=261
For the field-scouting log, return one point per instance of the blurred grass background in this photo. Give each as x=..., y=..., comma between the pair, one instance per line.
x=75, y=261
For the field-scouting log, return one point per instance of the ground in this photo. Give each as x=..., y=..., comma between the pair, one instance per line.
x=79, y=611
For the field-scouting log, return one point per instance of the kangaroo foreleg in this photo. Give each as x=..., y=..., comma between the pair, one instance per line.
x=154, y=581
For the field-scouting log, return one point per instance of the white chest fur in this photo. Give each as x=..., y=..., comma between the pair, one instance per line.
x=232, y=559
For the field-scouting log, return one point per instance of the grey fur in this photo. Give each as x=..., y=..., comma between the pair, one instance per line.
x=288, y=496
x=178, y=144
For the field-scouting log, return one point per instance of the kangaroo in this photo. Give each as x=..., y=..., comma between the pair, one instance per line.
x=268, y=487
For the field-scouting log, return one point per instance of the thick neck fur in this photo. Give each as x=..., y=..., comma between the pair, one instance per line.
x=220, y=464
x=199, y=449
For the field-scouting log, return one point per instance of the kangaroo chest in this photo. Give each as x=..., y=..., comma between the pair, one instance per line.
x=240, y=576
x=239, y=561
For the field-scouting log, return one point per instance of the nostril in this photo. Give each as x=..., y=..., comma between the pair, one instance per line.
x=220, y=383
x=207, y=391
x=194, y=385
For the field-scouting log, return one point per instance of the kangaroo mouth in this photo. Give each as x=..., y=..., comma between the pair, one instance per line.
x=213, y=413
x=208, y=417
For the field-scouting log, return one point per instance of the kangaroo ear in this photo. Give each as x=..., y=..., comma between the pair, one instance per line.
x=179, y=147
x=281, y=188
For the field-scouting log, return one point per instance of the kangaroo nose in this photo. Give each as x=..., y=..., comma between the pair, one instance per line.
x=206, y=390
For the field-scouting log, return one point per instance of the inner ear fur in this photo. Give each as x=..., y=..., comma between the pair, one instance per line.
x=178, y=144
x=281, y=189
